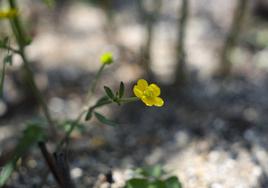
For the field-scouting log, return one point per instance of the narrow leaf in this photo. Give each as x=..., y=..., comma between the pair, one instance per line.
x=121, y=89
x=89, y=114
x=104, y=120
x=101, y=102
x=109, y=92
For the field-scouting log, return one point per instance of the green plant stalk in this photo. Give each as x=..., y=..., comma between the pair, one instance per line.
x=75, y=122
x=2, y=79
x=20, y=37
x=128, y=99
x=95, y=81
x=38, y=94
x=9, y=48
x=69, y=132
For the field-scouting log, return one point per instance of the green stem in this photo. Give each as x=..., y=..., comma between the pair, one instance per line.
x=129, y=99
x=68, y=133
x=9, y=48
x=95, y=81
x=37, y=93
x=77, y=120
x=2, y=79
x=16, y=26
x=20, y=37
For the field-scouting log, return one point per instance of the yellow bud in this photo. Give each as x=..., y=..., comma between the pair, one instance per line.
x=107, y=58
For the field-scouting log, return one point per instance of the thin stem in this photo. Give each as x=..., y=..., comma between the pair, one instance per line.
x=11, y=49
x=75, y=122
x=95, y=81
x=129, y=99
x=2, y=79
x=68, y=133
x=16, y=26
x=50, y=162
x=38, y=94
x=20, y=37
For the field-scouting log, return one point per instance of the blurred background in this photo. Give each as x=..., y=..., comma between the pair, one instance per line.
x=208, y=56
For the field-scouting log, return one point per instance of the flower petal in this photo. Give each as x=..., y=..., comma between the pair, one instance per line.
x=148, y=101
x=138, y=93
x=158, y=101
x=142, y=84
x=156, y=90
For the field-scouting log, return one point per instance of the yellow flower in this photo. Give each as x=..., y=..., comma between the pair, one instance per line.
x=107, y=58
x=8, y=13
x=149, y=94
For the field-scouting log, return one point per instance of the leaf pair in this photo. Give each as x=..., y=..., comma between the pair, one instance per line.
x=153, y=177
x=91, y=111
x=101, y=102
x=118, y=95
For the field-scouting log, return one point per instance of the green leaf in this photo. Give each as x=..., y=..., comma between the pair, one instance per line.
x=7, y=171
x=121, y=89
x=151, y=171
x=156, y=171
x=32, y=134
x=89, y=114
x=157, y=184
x=109, y=92
x=101, y=102
x=173, y=182
x=104, y=120
x=137, y=183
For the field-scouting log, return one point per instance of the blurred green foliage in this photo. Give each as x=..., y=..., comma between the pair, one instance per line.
x=153, y=177
x=31, y=135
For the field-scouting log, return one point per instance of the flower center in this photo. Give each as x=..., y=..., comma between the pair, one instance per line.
x=149, y=93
